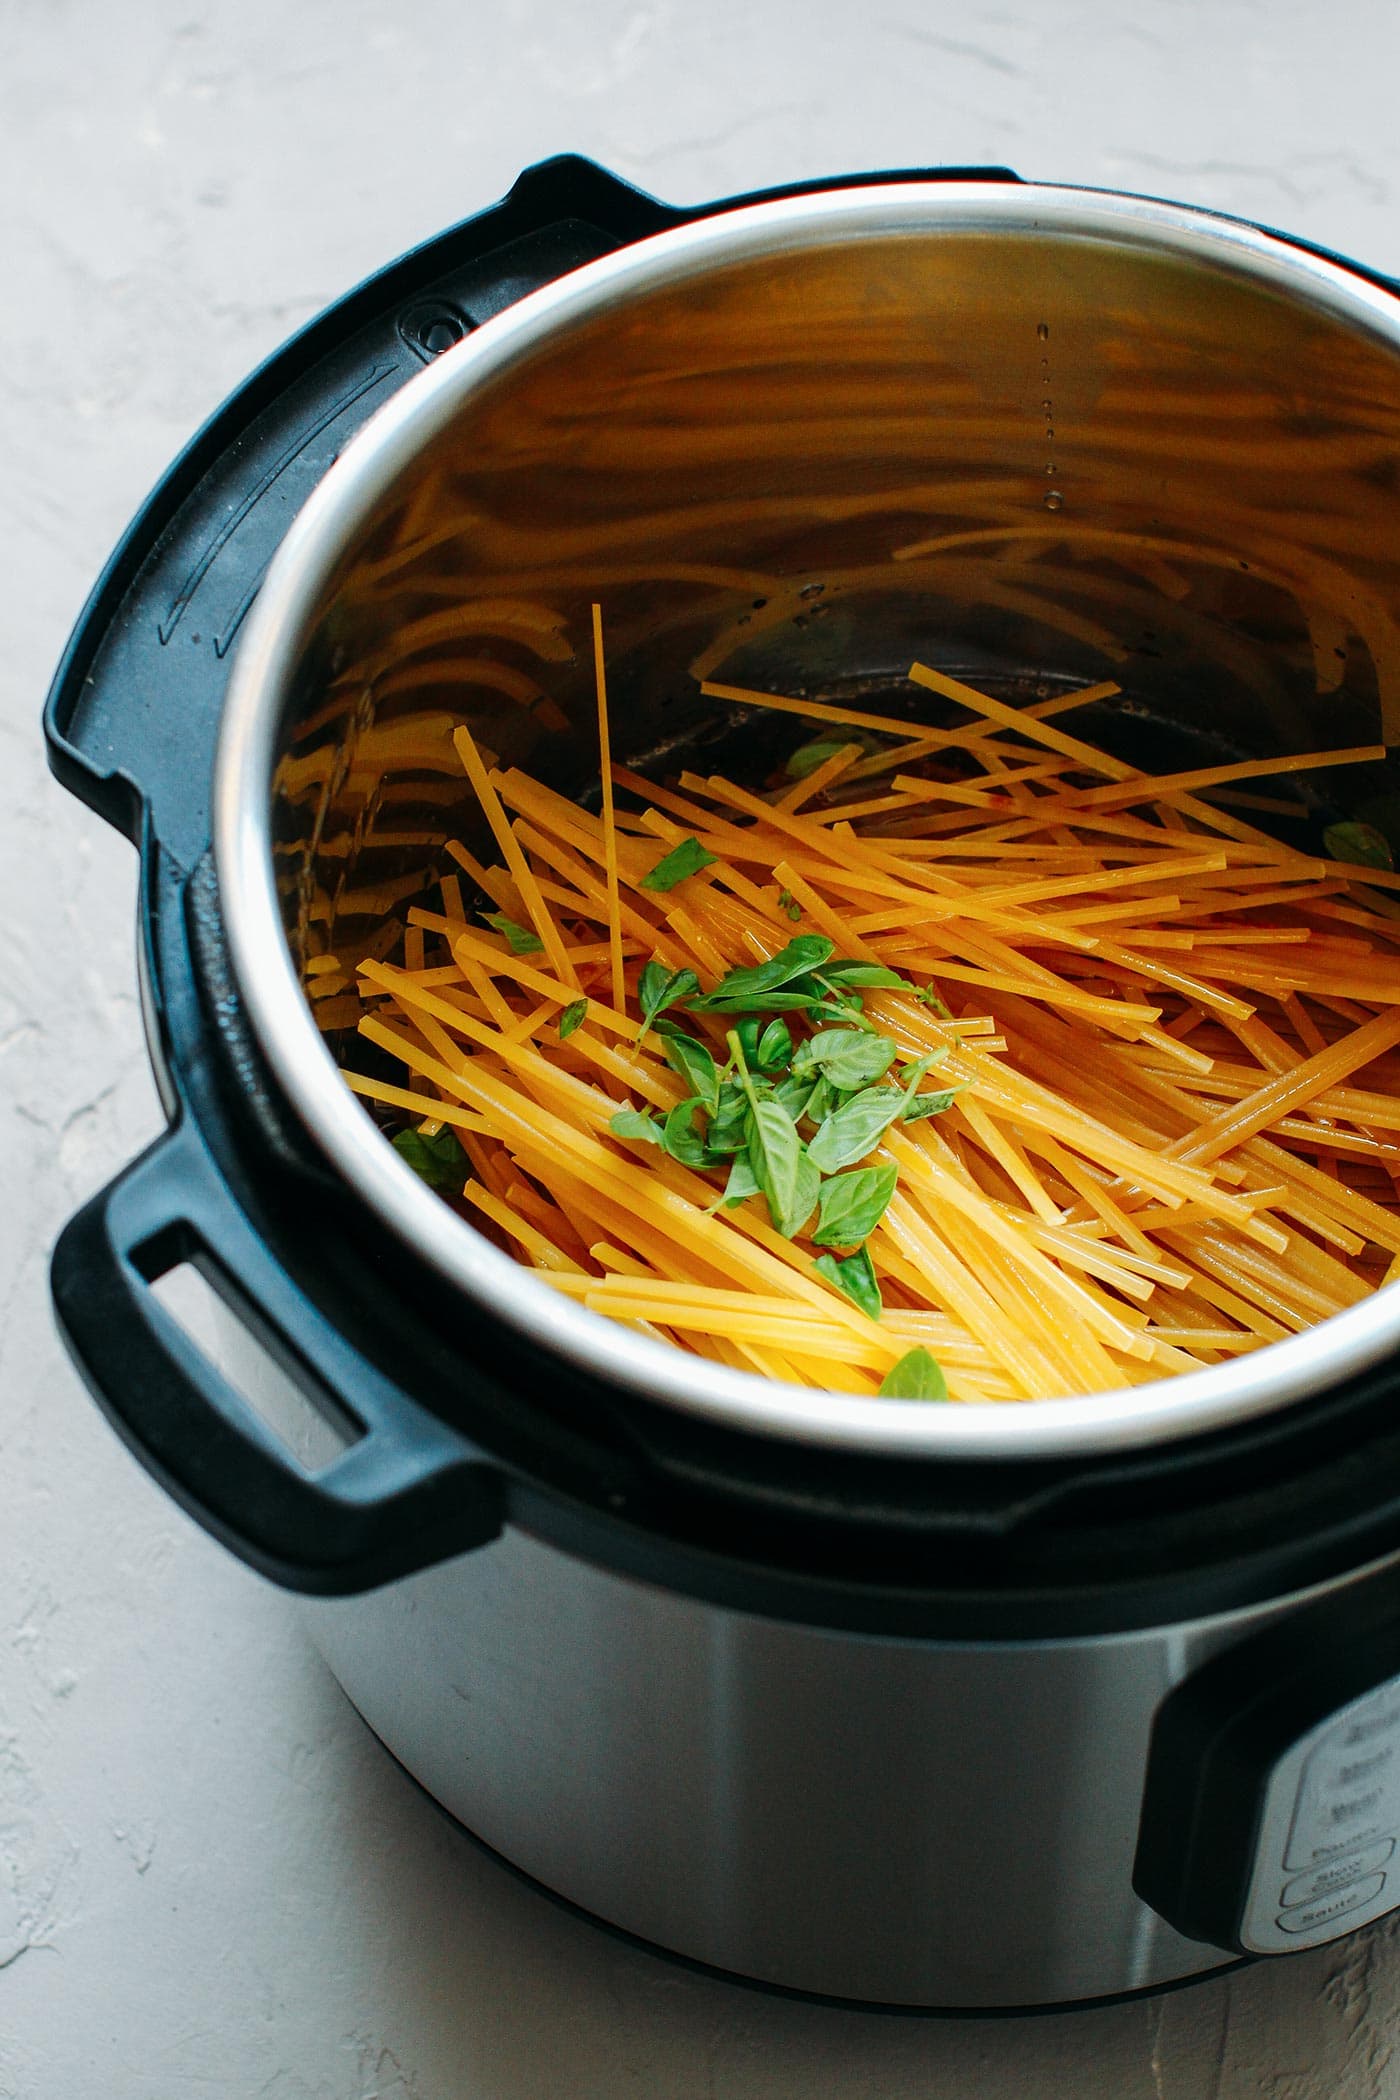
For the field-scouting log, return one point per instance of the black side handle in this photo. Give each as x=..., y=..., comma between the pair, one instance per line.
x=408, y=1492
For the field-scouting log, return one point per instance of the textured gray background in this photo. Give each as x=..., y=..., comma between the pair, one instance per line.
x=211, y=1880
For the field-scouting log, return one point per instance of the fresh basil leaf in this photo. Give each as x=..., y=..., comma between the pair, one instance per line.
x=742, y=1183
x=836, y=992
x=804, y=952
x=521, y=938
x=774, y=1047
x=867, y=975
x=776, y=1156
x=794, y=1093
x=660, y=988
x=728, y=1123
x=686, y=859
x=929, y=1105
x=680, y=1138
x=794, y=1001
x=788, y=903
x=821, y=1101
x=572, y=1018
x=856, y=1128
x=848, y=1057
x=440, y=1160
x=1358, y=845
x=915, y=1377
x=692, y=1062
x=807, y=757
x=852, y=1205
x=748, y=1033
x=809, y=1183
x=845, y=1015
x=636, y=1123
x=856, y=1277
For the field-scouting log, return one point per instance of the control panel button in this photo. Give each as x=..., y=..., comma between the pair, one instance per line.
x=1337, y=1874
x=1315, y=1917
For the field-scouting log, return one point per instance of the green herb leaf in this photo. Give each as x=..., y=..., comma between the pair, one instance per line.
x=686, y=859
x=660, y=988
x=728, y=1130
x=852, y=1205
x=742, y=1183
x=745, y=990
x=572, y=1018
x=774, y=1047
x=692, y=1061
x=929, y=1105
x=1360, y=845
x=915, y=1377
x=788, y=903
x=851, y=1131
x=848, y=1057
x=636, y=1123
x=794, y=1094
x=809, y=1183
x=780, y=1165
x=680, y=1138
x=807, y=757
x=440, y=1160
x=776, y=1157
x=821, y=1101
x=856, y=1277
x=869, y=975
x=523, y=941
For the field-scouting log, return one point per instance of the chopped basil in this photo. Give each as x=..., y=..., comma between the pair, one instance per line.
x=916, y=1376
x=774, y=1049
x=788, y=903
x=929, y=1105
x=686, y=859
x=571, y=1018
x=680, y=1138
x=807, y=757
x=856, y=1128
x=742, y=1182
x=523, y=941
x=794, y=1094
x=856, y=1277
x=742, y=989
x=636, y=1123
x=692, y=1062
x=852, y=1205
x=726, y=1132
x=786, y=1176
x=1359, y=845
x=848, y=1057
x=869, y=975
x=439, y=1160
x=660, y=988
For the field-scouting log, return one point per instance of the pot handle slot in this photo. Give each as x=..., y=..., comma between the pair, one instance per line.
x=407, y=1490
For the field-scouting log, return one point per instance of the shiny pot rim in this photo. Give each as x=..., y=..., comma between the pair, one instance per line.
x=1165, y=1411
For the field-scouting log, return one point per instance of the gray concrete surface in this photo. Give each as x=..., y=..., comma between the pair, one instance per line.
x=211, y=1881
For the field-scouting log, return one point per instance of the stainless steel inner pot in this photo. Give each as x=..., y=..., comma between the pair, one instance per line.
x=1039, y=436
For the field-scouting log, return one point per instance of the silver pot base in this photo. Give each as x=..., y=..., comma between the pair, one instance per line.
x=897, y=1822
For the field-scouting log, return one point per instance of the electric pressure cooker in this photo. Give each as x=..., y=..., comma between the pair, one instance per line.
x=950, y=1706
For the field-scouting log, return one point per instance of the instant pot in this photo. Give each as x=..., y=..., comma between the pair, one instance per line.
x=966, y=1707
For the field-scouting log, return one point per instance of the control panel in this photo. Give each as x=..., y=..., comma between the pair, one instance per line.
x=1324, y=1858
x=1270, y=1814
